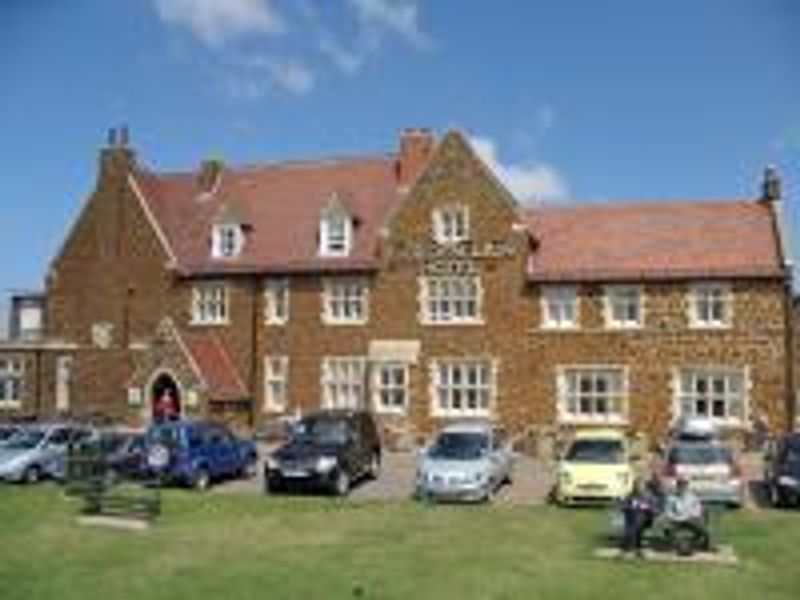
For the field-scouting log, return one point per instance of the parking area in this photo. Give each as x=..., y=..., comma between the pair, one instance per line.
x=532, y=481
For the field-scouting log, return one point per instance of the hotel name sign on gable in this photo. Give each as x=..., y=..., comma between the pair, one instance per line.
x=457, y=258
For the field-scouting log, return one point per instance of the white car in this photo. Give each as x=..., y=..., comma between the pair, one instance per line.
x=467, y=461
x=35, y=451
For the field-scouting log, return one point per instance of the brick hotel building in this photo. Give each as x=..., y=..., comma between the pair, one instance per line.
x=413, y=284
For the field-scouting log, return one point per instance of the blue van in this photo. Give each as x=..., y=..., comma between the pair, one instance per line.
x=195, y=453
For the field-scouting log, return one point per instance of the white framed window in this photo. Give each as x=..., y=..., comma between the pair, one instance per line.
x=560, y=307
x=276, y=301
x=227, y=240
x=451, y=224
x=335, y=233
x=592, y=394
x=451, y=299
x=390, y=386
x=209, y=304
x=12, y=378
x=624, y=306
x=716, y=393
x=276, y=378
x=463, y=387
x=345, y=301
x=710, y=305
x=343, y=382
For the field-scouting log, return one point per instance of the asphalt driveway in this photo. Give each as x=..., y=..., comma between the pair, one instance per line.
x=532, y=481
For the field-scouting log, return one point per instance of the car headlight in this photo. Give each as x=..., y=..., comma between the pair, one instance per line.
x=565, y=477
x=325, y=464
x=272, y=463
x=788, y=480
x=623, y=478
x=479, y=477
x=12, y=464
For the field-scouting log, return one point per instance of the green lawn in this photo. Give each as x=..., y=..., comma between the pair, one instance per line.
x=229, y=546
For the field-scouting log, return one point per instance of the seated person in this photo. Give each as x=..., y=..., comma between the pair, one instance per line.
x=684, y=510
x=638, y=510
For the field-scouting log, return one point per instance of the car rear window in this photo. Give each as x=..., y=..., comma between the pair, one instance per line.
x=456, y=445
x=699, y=454
x=607, y=452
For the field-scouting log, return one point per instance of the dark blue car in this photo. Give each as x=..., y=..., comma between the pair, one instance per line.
x=195, y=453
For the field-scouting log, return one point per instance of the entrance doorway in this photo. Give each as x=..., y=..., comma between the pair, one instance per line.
x=165, y=398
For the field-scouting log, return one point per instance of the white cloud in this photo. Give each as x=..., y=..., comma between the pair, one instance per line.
x=251, y=77
x=349, y=61
x=376, y=22
x=291, y=75
x=396, y=16
x=528, y=181
x=215, y=22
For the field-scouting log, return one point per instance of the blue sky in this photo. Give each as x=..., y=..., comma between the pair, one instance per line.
x=570, y=100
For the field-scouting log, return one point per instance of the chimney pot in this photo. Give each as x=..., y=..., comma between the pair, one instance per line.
x=112, y=137
x=208, y=177
x=123, y=135
x=771, y=186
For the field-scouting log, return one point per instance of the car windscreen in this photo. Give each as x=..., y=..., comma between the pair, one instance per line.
x=459, y=446
x=606, y=452
x=24, y=440
x=6, y=432
x=699, y=454
x=321, y=431
x=113, y=442
x=168, y=436
x=791, y=456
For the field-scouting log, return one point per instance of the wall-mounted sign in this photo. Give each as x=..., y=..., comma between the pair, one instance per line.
x=102, y=334
x=431, y=251
x=134, y=396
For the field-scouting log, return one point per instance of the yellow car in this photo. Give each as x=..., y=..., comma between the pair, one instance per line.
x=595, y=468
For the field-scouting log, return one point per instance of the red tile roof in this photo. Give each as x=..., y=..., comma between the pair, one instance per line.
x=212, y=359
x=280, y=205
x=653, y=240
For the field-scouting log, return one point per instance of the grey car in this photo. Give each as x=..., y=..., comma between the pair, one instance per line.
x=466, y=462
x=35, y=451
x=709, y=467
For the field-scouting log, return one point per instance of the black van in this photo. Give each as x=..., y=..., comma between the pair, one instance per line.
x=782, y=471
x=328, y=450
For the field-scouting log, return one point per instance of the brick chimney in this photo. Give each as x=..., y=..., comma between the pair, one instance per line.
x=116, y=158
x=771, y=186
x=416, y=147
x=208, y=177
x=772, y=196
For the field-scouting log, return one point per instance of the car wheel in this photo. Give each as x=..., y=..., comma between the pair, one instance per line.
x=32, y=474
x=341, y=483
x=374, y=468
x=202, y=480
x=776, y=498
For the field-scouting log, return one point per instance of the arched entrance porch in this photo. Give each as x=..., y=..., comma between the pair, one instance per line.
x=165, y=398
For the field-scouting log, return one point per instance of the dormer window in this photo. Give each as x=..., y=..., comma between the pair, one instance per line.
x=335, y=230
x=227, y=240
x=451, y=224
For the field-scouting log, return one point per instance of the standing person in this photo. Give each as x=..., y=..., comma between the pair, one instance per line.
x=684, y=510
x=637, y=510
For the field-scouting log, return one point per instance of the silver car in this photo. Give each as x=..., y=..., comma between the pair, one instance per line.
x=467, y=461
x=709, y=468
x=34, y=451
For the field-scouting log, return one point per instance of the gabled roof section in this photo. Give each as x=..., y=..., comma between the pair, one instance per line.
x=211, y=358
x=282, y=204
x=453, y=148
x=653, y=240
